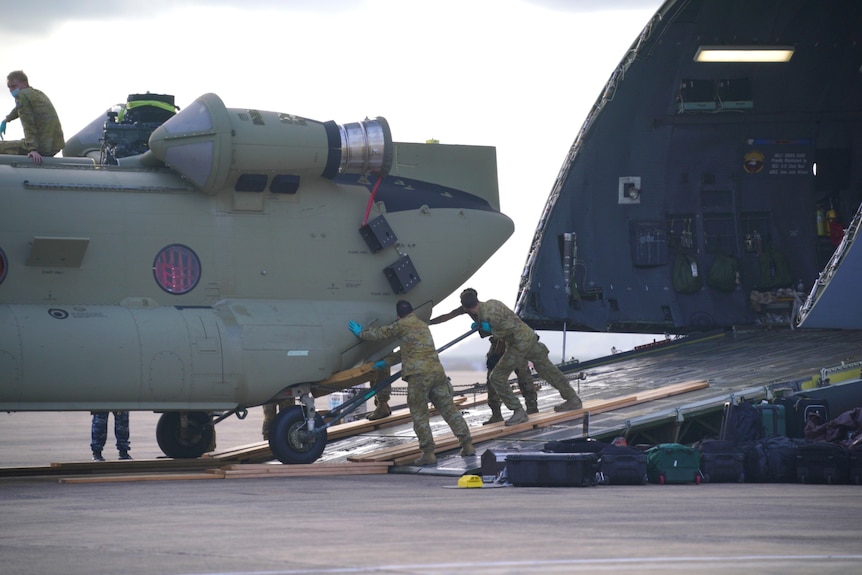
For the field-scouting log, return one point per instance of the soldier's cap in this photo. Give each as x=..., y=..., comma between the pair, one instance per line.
x=469, y=300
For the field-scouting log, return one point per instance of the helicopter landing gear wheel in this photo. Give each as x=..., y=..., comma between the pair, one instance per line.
x=185, y=435
x=290, y=439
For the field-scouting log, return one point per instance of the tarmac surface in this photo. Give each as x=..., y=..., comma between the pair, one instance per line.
x=397, y=523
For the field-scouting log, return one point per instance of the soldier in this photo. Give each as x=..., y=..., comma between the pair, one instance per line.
x=43, y=135
x=498, y=346
x=269, y=410
x=381, y=399
x=522, y=344
x=425, y=377
x=525, y=382
x=99, y=433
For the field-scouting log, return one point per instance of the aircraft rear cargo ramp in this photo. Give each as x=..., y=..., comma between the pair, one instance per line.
x=682, y=384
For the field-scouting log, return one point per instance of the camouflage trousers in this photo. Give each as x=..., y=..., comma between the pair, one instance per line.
x=99, y=430
x=525, y=384
x=269, y=414
x=433, y=387
x=14, y=148
x=514, y=357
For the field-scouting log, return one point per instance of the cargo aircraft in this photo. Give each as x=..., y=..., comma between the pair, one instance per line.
x=201, y=261
x=716, y=181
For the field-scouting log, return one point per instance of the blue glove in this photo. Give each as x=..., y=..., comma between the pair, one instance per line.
x=356, y=328
x=380, y=364
x=2, y=129
x=485, y=326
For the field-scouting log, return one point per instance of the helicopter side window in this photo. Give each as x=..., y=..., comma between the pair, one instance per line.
x=3, y=266
x=177, y=269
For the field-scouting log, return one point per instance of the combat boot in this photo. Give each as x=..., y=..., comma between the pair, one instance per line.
x=125, y=454
x=467, y=449
x=382, y=410
x=97, y=456
x=532, y=406
x=570, y=404
x=496, y=416
x=519, y=416
x=428, y=458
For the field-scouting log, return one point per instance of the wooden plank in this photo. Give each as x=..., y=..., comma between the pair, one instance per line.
x=306, y=472
x=497, y=430
x=140, y=477
x=404, y=453
x=240, y=471
x=316, y=468
x=344, y=379
x=260, y=452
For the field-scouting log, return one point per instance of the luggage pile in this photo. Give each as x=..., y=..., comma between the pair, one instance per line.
x=793, y=440
x=788, y=440
x=580, y=462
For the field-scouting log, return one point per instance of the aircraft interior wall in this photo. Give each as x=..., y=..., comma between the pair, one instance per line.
x=720, y=161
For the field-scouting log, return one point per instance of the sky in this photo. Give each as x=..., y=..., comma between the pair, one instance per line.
x=520, y=75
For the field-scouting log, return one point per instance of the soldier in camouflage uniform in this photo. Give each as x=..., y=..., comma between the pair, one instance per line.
x=99, y=433
x=269, y=410
x=525, y=382
x=522, y=344
x=43, y=135
x=525, y=378
x=381, y=399
x=425, y=377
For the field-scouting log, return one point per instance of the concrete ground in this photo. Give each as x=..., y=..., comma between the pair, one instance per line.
x=398, y=523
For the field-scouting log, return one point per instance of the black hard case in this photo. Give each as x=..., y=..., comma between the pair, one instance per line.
x=856, y=464
x=540, y=469
x=822, y=462
x=623, y=465
x=721, y=462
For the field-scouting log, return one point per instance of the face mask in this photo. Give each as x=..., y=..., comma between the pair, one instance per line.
x=14, y=92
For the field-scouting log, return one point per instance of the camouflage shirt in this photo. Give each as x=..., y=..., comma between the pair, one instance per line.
x=417, y=354
x=42, y=130
x=505, y=325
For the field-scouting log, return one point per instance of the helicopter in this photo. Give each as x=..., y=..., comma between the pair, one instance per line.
x=197, y=262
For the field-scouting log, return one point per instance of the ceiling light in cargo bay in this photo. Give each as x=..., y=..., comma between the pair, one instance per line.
x=744, y=54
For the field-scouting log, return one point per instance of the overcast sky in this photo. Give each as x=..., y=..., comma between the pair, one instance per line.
x=519, y=75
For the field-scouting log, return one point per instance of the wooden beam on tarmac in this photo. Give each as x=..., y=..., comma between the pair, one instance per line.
x=404, y=453
x=260, y=452
x=246, y=471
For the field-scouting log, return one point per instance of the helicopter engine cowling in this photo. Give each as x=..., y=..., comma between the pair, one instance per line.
x=213, y=146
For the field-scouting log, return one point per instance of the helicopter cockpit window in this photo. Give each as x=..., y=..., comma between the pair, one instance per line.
x=3, y=266
x=177, y=269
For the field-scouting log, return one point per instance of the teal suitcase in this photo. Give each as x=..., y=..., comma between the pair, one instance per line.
x=673, y=463
x=774, y=419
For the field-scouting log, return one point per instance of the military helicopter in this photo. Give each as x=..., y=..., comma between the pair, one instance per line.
x=197, y=262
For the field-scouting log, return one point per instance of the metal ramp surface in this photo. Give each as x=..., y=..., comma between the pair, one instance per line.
x=735, y=364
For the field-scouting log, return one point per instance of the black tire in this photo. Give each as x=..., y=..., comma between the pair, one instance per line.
x=196, y=440
x=291, y=441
